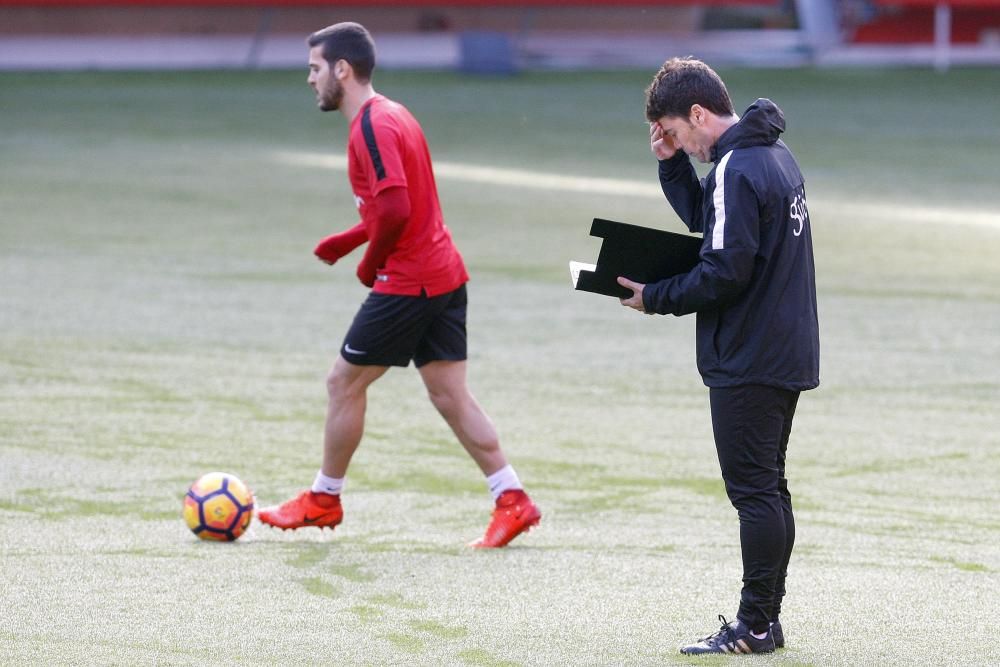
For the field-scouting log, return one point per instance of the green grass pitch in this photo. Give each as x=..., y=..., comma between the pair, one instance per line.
x=161, y=316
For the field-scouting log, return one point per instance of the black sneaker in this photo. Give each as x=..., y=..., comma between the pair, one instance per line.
x=732, y=637
x=779, y=636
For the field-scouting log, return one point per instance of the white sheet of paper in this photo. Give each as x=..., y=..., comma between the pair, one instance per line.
x=576, y=267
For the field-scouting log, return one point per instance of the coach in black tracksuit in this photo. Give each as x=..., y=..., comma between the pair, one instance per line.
x=754, y=291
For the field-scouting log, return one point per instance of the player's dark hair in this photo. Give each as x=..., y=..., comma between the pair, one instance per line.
x=347, y=41
x=683, y=82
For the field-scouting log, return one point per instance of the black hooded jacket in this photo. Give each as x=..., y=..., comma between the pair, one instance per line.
x=754, y=289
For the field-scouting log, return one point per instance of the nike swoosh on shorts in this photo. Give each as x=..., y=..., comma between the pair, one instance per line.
x=350, y=350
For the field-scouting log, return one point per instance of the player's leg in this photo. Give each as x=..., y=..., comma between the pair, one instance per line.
x=449, y=392
x=347, y=388
x=441, y=358
x=371, y=345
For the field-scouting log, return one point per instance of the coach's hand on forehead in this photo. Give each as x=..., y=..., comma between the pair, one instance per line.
x=660, y=143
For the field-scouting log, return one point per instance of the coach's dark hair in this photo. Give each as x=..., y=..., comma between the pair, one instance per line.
x=347, y=41
x=683, y=82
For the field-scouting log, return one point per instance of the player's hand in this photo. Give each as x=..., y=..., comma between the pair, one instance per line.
x=335, y=246
x=332, y=248
x=661, y=144
x=366, y=275
x=634, y=301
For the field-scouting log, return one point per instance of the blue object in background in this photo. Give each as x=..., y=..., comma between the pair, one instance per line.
x=486, y=52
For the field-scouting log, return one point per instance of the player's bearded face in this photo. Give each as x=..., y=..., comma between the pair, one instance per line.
x=322, y=79
x=330, y=95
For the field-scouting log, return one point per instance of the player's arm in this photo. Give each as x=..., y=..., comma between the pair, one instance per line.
x=335, y=246
x=727, y=257
x=392, y=211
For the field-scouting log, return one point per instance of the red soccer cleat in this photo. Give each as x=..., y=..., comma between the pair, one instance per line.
x=306, y=509
x=514, y=514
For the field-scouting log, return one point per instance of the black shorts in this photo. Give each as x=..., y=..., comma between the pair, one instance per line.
x=392, y=329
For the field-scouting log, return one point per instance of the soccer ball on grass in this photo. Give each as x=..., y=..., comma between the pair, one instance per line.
x=218, y=506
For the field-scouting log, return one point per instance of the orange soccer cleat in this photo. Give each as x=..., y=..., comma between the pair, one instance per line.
x=306, y=509
x=514, y=514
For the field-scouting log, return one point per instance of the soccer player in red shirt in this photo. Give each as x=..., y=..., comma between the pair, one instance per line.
x=416, y=309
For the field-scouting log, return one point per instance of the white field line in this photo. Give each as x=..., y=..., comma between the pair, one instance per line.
x=540, y=180
x=518, y=178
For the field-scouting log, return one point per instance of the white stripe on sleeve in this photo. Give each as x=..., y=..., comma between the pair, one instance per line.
x=719, y=200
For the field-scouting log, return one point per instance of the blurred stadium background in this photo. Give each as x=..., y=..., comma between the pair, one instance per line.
x=501, y=36
x=161, y=316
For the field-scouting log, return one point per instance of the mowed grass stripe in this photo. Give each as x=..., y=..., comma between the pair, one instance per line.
x=650, y=189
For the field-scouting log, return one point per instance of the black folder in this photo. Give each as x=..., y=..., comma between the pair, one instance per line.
x=641, y=254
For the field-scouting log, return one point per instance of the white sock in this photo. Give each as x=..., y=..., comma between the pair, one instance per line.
x=502, y=480
x=324, y=484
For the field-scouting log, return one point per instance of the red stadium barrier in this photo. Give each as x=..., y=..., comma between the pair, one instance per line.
x=381, y=3
x=920, y=21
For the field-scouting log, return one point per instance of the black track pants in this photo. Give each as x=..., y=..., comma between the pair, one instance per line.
x=752, y=424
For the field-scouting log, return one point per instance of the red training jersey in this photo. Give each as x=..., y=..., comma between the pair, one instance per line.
x=387, y=149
